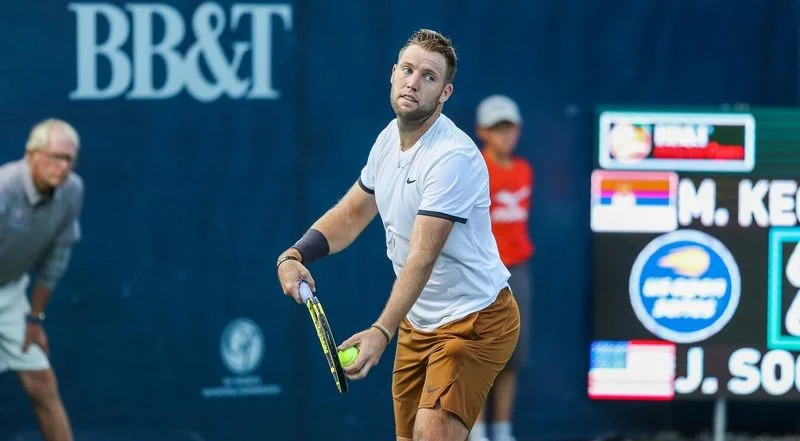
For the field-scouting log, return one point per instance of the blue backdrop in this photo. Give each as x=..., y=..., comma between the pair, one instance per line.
x=214, y=134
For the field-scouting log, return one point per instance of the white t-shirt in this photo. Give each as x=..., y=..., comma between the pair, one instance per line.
x=442, y=175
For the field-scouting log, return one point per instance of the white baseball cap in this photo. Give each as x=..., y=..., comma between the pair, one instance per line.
x=497, y=108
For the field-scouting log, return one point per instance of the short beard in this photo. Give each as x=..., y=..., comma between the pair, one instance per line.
x=415, y=118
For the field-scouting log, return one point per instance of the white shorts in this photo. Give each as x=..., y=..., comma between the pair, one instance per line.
x=14, y=306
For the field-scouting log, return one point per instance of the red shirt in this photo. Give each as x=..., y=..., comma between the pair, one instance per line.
x=510, y=189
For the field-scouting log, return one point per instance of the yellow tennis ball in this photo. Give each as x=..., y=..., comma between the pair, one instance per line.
x=348, y=356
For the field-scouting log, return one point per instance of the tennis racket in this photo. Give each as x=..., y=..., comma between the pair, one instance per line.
x=325, y=336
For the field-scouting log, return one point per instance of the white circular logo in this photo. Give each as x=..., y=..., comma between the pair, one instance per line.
x=629, y=142
x=242, y=346
x=685, y=286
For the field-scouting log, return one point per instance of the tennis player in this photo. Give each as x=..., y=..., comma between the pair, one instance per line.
x=455, y=318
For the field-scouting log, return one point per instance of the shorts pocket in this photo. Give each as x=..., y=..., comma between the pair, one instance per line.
x=494, y=319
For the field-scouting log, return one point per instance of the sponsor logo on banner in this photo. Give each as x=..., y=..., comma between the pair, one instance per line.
x=677, y=141
x=636, y=369
x=189, y=54
x=685, y=286
x=634, y=201
x=242, y=351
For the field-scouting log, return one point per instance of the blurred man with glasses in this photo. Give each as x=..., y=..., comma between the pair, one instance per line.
x=40, y=204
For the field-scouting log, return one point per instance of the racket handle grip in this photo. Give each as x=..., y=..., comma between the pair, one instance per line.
x=305, y=291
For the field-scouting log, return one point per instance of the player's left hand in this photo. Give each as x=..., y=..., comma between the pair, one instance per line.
x=371, y=344
x=34, y=334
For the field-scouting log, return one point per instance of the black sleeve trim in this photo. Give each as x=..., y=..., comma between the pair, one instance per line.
x=461, y=220
x=364, y=187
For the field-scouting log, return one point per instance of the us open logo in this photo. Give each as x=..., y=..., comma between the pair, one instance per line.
x=685, y=286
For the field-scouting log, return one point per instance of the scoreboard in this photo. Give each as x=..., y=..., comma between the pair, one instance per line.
x=695, y=219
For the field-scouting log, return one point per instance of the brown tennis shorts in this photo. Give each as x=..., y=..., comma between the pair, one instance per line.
x=454, y=365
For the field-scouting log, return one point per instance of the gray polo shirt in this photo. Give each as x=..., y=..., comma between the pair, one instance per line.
x=35, y=230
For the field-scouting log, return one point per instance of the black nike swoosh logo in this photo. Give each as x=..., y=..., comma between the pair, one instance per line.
x=409, y=181
x=432, y=389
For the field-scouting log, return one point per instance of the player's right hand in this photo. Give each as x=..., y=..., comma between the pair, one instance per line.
x=290, y=274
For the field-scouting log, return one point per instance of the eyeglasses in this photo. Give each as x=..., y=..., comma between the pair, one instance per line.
x=59, y=157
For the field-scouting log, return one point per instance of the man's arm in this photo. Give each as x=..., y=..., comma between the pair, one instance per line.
x=52, y=268
x=50, y=272
x=345, y=221
x=39, y=299
x=427, y=240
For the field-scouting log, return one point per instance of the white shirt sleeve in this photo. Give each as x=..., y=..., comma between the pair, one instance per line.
x=450, y=189
x=367, y=178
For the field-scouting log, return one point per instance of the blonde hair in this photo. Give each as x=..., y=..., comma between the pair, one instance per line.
x=435, y=42
x=39, y=137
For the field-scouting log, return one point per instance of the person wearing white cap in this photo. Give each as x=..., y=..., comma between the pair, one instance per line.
x=496, y=109
x=510, y=182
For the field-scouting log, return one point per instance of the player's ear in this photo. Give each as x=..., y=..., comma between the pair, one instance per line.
x=446, y=93
x=391, y=74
